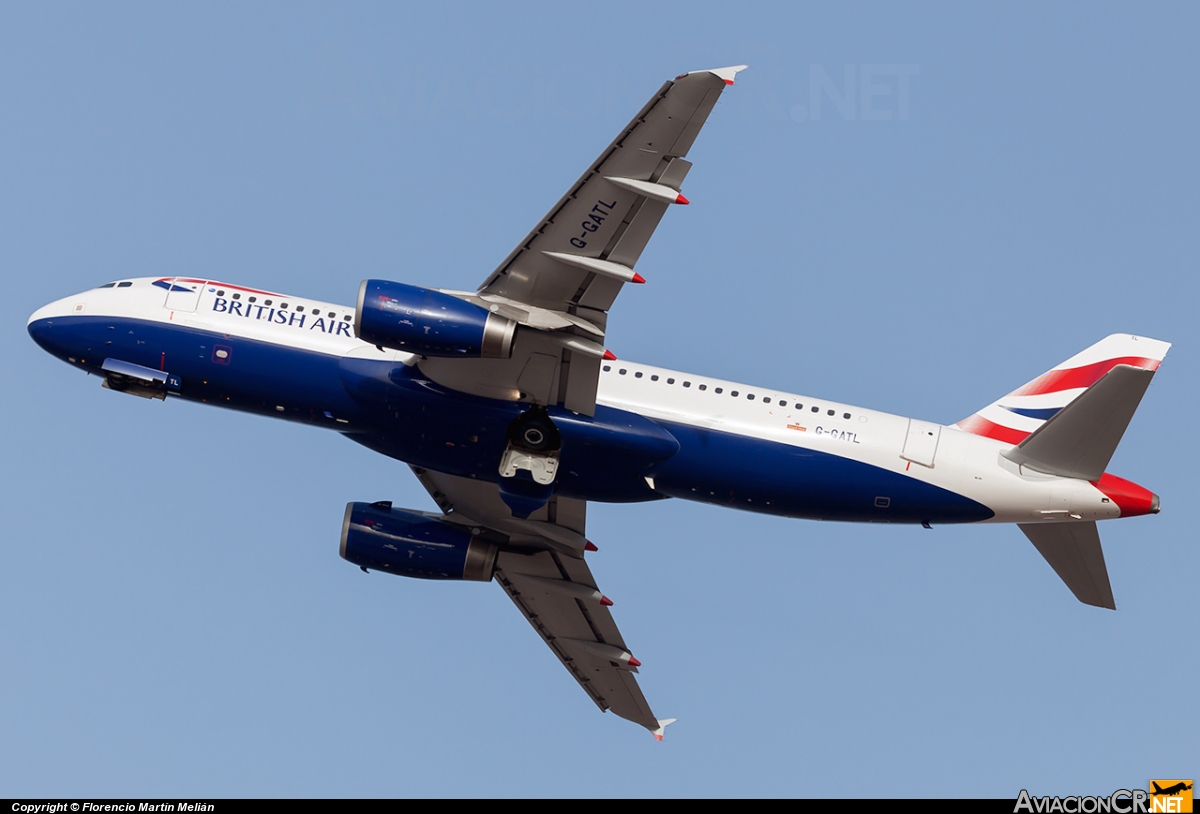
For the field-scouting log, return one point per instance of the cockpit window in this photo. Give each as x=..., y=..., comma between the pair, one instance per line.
x=108, y=285
x=124, y=285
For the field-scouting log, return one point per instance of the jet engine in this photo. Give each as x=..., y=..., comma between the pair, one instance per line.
x=375, y=536
x=429, y=323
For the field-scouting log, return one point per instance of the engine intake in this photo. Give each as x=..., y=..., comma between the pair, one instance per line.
x=428, y=322
x=414, y=545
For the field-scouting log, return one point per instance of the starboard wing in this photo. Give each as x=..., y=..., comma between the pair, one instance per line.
x=543, y=572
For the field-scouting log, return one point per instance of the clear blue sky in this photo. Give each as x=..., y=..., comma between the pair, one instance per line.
x=174, y=618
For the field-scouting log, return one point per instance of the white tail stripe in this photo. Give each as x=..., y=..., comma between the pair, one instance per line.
x=998, y=415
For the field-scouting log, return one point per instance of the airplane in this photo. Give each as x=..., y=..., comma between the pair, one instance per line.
x=510, y=410
x=1170, y=791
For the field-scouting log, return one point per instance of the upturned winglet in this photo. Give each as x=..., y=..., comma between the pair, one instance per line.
x=663, y=724
x=726, y=74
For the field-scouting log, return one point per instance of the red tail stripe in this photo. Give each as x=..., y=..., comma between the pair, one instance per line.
x=1077, y=377
x=978, y=425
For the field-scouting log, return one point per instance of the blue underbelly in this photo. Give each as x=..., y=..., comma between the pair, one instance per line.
x=416, y=420
x=774, y=478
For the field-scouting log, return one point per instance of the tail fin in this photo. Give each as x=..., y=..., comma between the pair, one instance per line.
x=1022, y=412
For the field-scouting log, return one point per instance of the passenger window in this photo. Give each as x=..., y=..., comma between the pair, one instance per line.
x=831, y=412
x=607, y=368
x=766, y=400
x=252, y=299
x=733, y=393
x=298, y=307
x=719, y=390
x=750, y=396
x=332, y=315
x=283, y=306
x=670, y=381
x=703, y=387
x=266, y=302
x=816, y=409
x=637, y=375
x=845, y=415
x=622, y=371
x=346, y=318
x=687, y=384
x=237, y=296
x=654, y=378
x=220, y=293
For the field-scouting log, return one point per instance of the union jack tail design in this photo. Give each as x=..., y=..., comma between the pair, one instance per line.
x=1014, y=417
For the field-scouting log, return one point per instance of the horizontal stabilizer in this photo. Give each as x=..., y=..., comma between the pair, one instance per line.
x=1073, y=551
x=1079, y=441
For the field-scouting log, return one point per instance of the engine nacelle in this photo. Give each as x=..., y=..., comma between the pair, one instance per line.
x=381, y=538
x=428, y=322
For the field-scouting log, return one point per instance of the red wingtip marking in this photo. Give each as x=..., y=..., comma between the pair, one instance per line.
x=659, y=737
x=588, y=545
x=609, y=356
x=637, y=278
x=727, y=82
x=634, y=662
x=682, y=200
x=605, y=601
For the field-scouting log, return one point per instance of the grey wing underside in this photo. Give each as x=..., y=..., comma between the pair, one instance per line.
x=549, y=582
x=566, y=273
x=1073, y=550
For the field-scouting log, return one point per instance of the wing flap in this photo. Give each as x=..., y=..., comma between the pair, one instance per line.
x=580, y=382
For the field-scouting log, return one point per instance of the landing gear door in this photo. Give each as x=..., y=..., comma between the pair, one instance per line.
x=920, y=446
x=183, y=294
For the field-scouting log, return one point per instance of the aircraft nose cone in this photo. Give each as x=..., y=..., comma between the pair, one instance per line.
x=46, y=328
x=39, y=330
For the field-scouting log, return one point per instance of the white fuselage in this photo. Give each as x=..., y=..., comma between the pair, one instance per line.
x=940, y=455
